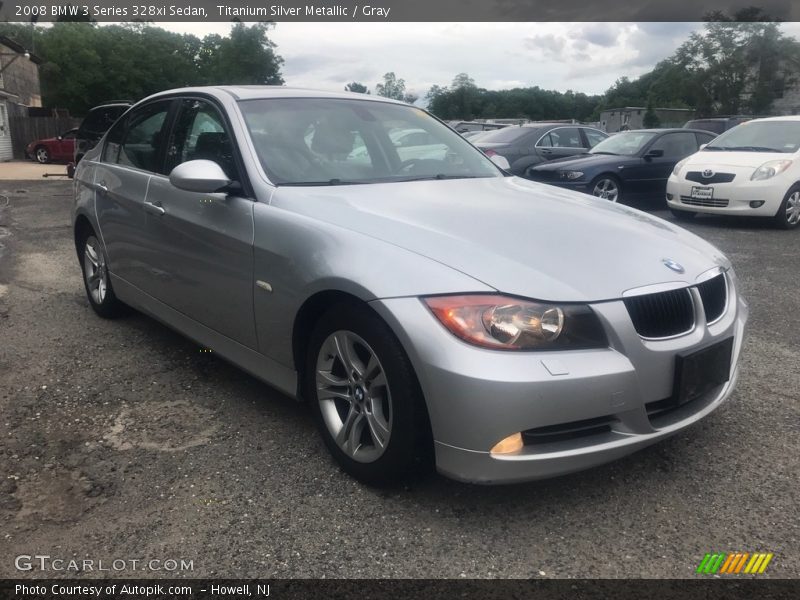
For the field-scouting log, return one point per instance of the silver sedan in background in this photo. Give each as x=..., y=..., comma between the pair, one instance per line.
x=429, y=307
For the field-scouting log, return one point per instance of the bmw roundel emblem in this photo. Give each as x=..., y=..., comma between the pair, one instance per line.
x=671, y=264
x=708, y=173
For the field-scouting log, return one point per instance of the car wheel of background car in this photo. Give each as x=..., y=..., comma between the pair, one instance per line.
x=365, y=396
x=96, y=280
x=41, y=154
x=682, y=215
x=788, y=215
x=606, y=187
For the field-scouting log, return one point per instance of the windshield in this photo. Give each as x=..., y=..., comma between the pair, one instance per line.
x=324, y=141
x=764, y=136
x=627, y=143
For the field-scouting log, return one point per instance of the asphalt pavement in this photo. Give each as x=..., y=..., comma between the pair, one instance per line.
x=122, y=440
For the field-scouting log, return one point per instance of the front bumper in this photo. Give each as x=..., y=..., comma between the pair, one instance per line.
x=736, y=195
x=476, y=397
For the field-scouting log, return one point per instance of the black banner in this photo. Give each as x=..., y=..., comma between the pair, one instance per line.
x=400, y=589
x=385, y=10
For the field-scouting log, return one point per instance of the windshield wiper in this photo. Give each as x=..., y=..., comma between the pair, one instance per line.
x=601, y=152
x=333, y=181
x=442, y=176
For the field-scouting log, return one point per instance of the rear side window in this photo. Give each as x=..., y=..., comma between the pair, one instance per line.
x=563, y=137
x=144, y=137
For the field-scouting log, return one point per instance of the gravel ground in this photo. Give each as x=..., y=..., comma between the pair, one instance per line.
x=121, y=440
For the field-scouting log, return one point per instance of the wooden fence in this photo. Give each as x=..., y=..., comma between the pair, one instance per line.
x=26, y=129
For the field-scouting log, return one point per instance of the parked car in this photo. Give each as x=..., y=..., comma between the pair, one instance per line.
x=424, y=308
x=59, y=148
x=464, y=126
x=92, y=128
x=628, y=164
x=526, y=146
x=752, y=170
x=716, y=125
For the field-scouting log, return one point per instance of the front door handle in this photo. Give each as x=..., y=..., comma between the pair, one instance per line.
x=155, y=209
x=102, y=188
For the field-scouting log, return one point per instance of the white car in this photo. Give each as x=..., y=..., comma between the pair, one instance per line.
x=750, y=170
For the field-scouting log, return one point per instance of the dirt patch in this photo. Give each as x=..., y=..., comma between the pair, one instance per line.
x=163, y=427
x=57, y=496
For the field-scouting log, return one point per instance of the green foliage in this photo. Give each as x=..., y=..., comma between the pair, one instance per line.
x=650, y=119
x=86, y=64
x=392, y=87
x=356, y=87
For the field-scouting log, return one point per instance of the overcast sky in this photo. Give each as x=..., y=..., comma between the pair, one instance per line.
x=585, y=57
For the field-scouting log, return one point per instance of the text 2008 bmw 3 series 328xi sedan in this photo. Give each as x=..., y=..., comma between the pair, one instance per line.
x=426, y=305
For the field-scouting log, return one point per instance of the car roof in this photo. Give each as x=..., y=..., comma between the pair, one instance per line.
x=257, y=92
x=784, y=118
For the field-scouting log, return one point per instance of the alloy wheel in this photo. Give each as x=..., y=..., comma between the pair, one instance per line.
x=42, y=155
x=354, y=396
x=606, y=189
x=94, y=270
x=793, y=208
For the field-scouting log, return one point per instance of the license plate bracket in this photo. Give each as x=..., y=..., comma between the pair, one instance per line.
x=701, y=371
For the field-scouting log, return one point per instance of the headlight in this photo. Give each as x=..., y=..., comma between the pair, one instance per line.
x=770, y=169
x=679, y=166
x=570, y=174
x=504, y=323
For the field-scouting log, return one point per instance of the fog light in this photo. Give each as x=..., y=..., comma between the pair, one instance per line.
x=509, y=445
x=756, y=203
x=670, y=196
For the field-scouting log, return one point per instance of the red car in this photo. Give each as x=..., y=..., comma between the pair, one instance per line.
x=61, y=148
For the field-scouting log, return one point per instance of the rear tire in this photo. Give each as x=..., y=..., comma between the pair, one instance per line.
x=788, y=215
x=96, y=279
x=682, y=215
x=365, y=397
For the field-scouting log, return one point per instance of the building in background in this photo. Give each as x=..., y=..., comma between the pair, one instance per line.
x=632, y=117
x=19, y=90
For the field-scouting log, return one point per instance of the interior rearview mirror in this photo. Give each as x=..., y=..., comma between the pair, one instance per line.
x=203, y=176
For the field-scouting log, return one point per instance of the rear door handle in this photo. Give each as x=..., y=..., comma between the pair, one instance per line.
x=102, y=188
x=154, y=208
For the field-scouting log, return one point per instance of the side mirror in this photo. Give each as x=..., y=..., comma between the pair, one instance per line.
x=500, y=161
x=203, y=176
x=654, y=154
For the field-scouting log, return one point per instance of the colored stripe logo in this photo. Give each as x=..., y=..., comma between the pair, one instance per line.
x=735, y=563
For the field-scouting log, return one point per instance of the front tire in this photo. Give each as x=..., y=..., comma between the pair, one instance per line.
x=788, y=215
x=365, y=397
x=606, y=187
x=42, y=155
x=96, y=279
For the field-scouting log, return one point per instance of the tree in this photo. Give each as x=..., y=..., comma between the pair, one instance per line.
x=650, y=119
x=392, y=87
x=356, y=87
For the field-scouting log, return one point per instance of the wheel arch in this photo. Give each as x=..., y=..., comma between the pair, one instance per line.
x=81, y=230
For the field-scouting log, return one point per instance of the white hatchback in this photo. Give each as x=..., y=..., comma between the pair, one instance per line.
x=750, y=170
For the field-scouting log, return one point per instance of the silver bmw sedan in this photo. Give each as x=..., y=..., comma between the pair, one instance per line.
x=356, y=253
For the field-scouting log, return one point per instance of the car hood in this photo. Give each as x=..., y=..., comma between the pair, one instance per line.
x=514, y=235
x=586, y=161
x=735, y=159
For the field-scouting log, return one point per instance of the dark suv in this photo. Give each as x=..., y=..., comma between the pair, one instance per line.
x=94, y=125
x=526, y=146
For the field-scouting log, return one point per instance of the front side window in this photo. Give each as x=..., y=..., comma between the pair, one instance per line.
x=143, y=140
x=676, y=145
x=200, y=134
x=326, y=141
x=594, y=137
